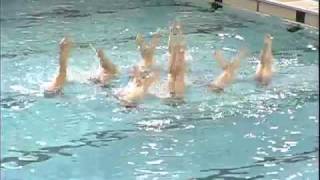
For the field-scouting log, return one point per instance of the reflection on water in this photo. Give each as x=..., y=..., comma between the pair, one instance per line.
x=94, y=139
x=243, y=171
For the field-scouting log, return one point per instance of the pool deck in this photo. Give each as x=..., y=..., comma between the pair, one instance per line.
x=301, y=11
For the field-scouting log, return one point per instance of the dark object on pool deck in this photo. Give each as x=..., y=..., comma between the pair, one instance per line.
x=294, y=28
x=300, y=16
x=216, y=4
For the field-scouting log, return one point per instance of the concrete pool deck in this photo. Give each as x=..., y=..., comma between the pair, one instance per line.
x=301, y=11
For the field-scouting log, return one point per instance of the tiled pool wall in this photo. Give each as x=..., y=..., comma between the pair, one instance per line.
x=301, y=11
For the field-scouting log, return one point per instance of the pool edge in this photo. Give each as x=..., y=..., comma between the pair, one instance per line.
x=287, y=9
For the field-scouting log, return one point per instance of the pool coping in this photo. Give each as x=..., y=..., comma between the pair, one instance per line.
x=300, y=11
x=286, y=5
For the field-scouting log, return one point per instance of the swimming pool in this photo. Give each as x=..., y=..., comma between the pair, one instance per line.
x=248, y=132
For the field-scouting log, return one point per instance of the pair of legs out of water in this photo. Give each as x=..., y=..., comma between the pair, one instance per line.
x=263, y=71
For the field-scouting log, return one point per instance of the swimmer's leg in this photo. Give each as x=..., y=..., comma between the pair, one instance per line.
x=180, y=76
x=177, y=70
x=144, y=49
x=137, y=76
x=140, y=43
x=59, y=81
x=155, y=40
x=106, y=63
x=258, y=78
x=218, y=56
x=263, y=76
x=107, y=72
x=171, y=85
x=265, y=81
x=179, y=86
x=235, y=64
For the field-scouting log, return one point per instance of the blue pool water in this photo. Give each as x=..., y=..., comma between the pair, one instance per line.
x=248, y=132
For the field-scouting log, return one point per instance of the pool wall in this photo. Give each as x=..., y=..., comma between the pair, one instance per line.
x=301, y=11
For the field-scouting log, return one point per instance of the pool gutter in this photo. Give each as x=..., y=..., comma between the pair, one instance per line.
x=301, y=11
